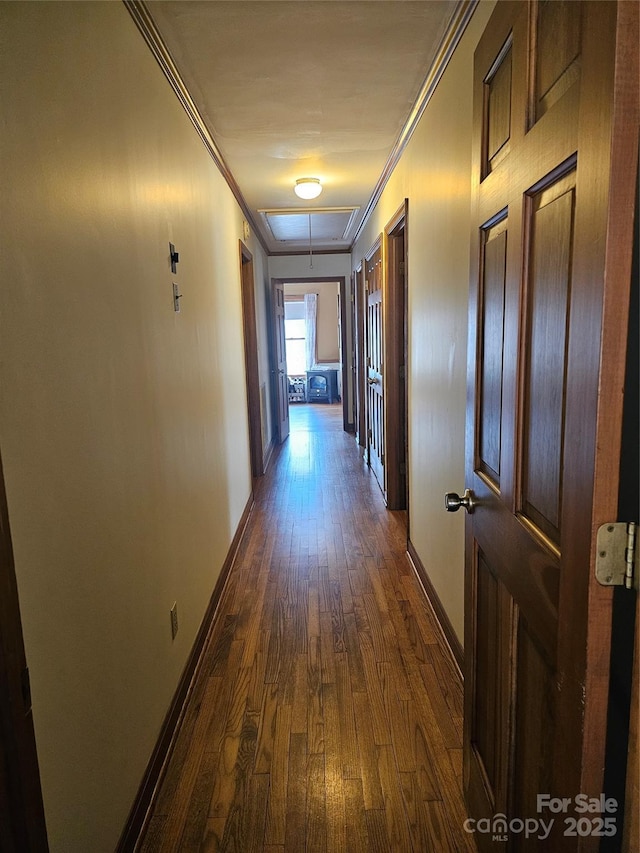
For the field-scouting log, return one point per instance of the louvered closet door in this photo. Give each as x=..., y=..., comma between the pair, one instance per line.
x=549, y=174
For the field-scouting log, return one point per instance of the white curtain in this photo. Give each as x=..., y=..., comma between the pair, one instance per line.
x=310, y=314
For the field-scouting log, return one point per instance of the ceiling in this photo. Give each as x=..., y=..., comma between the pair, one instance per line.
x=284, y=89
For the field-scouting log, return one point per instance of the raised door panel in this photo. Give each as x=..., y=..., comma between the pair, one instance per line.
x=550, y=228
x=533, y=726
x=497, y=110
x=492, y=304
x=486, y=710
x=557, y=33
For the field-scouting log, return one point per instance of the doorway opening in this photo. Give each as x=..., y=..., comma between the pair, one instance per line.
x=380, y=325
x=311, y=359
x=251, y=361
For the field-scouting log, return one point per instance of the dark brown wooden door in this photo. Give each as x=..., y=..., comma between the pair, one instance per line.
x=22, y=824
x=282, y=380
x=554, y=174
x=251, y=361
x=395, y=346
x=374, y=366
x=360, y=335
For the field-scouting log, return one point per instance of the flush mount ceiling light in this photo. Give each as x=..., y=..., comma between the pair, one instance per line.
x=308, y=188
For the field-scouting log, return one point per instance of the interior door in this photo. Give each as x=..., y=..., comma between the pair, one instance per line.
x=280, y=352
x=374, y=365
x=353, y=340
x=251, y=361
x=360, y=333
x=555, y=155
x=395, y=350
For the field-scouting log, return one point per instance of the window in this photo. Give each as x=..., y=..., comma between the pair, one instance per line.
x=294, y=332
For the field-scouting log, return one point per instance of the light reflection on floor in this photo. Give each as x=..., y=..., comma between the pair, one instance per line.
x=315, y=416
x=305, y=419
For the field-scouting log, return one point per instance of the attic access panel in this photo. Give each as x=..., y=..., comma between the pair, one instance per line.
x=328, y=225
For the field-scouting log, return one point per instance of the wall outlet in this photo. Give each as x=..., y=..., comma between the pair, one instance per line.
x=174, y=620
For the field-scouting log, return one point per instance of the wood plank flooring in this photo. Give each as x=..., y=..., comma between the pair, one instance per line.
x=327, y=712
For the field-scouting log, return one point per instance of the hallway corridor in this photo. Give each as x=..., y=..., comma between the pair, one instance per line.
x=326, y=713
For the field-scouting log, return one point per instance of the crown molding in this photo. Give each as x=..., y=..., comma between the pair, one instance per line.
x=460, y=18
x=145, y=23
x=457, y=26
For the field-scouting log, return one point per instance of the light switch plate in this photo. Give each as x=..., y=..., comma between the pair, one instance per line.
x=177, y=296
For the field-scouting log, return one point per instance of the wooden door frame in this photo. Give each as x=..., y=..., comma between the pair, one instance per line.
x=624, y=707
x=359, y=332
x=279, y=397
x=375, y=246
x=252, y=374
x=353, y=355
x=22, y=822
x=617, y=267
x=340, y=280
x=394, y=308
x=345, y=351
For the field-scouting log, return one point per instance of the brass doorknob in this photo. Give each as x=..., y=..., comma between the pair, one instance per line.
x=453, y=501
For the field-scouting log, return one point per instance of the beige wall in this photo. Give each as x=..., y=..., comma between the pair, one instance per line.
x=297, y=266
x=123, y=426
x=434, y=174
x=327, y=346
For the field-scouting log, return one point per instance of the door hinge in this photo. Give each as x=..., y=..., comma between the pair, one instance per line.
x=401, y=267
x=616, y=557
x=382, y=459
x=403, y=372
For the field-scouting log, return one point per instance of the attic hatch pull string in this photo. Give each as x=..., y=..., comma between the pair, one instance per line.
x=310, y=249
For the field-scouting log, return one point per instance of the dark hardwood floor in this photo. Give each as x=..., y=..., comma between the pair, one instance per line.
x=326, y=714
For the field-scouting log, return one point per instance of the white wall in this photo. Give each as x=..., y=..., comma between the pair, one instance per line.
x=434, y=173
x=297, y=266
x=123, y=426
